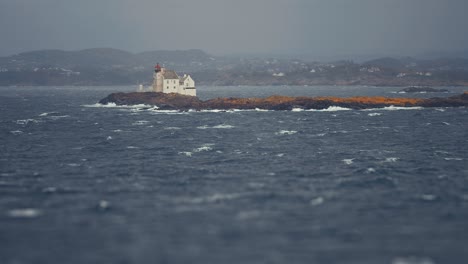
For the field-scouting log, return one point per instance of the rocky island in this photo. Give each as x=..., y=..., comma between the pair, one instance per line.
x=173, y=101
x=422, y=89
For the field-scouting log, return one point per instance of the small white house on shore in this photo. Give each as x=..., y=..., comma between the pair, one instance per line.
x=167, y=81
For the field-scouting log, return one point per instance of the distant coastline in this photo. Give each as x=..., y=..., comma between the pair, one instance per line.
x=105, y=66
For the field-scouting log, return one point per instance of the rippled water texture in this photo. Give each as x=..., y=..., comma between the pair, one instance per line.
x=84, y=183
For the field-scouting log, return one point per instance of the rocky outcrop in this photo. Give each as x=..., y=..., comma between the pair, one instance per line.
x=182, y=102
x=422, y=89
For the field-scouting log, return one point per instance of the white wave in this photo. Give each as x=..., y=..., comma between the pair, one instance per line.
x=73, y=164
x=24, y=213
x=391, y=159
x=16, y=132
x=212, y=111
x=331, y=109
x=109, y=138
x=297, y=110
x=113, y=105
x=204, y=147
x=186, y=153
x=117, y=131
x=26, y=121
x=261, y=110
x=222, y=126
x=455, y=159
x=280, y=155
x=446, y=123
x=214, y=198
x=374, y=114
x=132, y=147
x=140, y=123
x=48, y=113
x=370, y=170
x=348, y=161
x=286, y=132
x=317, y=201
x=321, y=134
x=394, y=108
x=172, y=128
x=55, y=117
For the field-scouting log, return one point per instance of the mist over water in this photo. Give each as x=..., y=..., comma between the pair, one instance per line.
x=85, y=183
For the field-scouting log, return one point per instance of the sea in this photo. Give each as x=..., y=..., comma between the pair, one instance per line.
x=87, y=183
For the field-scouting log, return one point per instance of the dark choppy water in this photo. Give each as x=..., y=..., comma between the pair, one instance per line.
x=84, y=184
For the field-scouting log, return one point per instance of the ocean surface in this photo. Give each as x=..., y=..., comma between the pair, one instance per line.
x=86, y=183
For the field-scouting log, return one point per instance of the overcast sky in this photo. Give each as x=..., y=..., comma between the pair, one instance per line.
x=321, y=27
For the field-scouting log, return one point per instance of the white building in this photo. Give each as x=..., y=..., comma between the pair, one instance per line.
x=167, y=81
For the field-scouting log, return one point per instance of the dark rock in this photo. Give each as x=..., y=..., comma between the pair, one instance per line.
x=422, y=89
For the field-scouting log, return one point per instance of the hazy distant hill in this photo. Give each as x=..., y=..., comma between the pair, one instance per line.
x=107, y=66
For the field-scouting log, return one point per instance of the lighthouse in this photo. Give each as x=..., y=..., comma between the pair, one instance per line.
x=158, y=79
x=167, y=81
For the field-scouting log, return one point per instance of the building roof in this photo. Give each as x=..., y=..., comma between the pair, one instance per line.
x=170, y=74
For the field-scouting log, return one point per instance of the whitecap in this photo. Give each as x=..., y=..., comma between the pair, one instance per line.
x=26, y=121
x=172, y=128
x=370, y=170
x=374, y=114
x=394, y=108
x=117, y=130
x=456, y=159
x=132, y=147
x=204, y=147
x=16, y=132
x=446, y=123
x=331, y=109
x=73, y=164
x=140, y=123
x=55, y=117
x=391, y=159
x=186, y=153
x=113, y=105
x=280, y=155
x=297, y=110
x=348, y=161
x=317, y=201
x=214, y=198
x=103, y=205
x=286, y=132
x=261, y=110
x=428, y=197
x=109, y=138
x=48, y=113
x=24, y=213
x=223, y=126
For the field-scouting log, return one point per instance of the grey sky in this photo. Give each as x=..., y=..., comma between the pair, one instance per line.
x=322, y=27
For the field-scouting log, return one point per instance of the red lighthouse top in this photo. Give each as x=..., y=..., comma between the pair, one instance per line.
x=157, y=68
